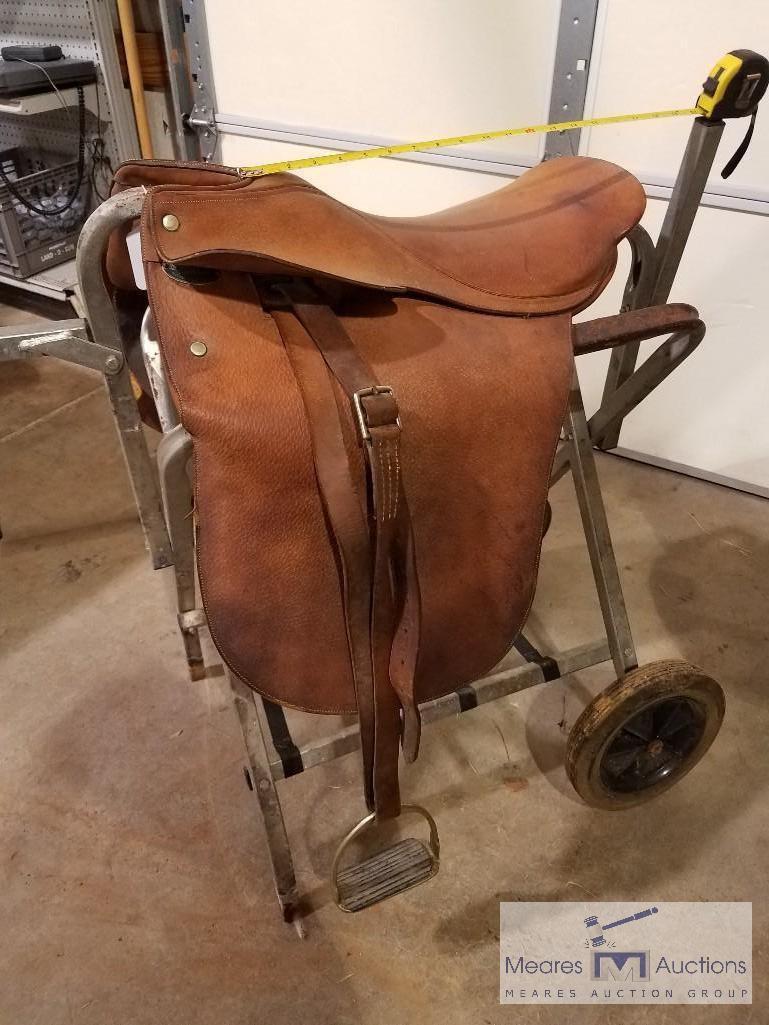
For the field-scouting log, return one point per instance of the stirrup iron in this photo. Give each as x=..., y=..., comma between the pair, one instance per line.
x=390, y=871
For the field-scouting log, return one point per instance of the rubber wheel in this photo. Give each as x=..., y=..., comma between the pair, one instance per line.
x=642, y=734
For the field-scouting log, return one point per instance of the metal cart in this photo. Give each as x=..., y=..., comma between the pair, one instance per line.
x=163, y=498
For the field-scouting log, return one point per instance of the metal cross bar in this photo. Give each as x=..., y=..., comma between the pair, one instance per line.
x=64, y=339
x=642, y=382
x=489, y=688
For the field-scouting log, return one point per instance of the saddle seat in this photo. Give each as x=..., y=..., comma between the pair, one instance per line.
x=546, y=243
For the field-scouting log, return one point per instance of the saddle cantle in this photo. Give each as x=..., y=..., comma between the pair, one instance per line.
x=374, y=404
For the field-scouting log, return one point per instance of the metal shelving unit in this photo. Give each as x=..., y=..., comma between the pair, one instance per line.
x=42, y=103
x=84, y=29
x=55, y=282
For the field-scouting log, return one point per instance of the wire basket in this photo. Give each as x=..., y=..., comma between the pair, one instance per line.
x=31, y=241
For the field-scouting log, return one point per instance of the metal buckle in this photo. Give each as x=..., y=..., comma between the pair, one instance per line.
x=360, y=412
x=390, y=871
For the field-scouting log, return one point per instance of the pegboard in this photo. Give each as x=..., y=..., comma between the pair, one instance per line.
x=83, y=29
x=35, y=22
x=59, y=128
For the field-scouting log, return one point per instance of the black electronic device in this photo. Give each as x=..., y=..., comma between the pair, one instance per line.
x=34, y=54
x=21, y=77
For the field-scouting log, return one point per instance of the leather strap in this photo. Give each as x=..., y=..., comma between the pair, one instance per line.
x=376, y=412
x=731, y=165
x=375, y=545
x=344, y=513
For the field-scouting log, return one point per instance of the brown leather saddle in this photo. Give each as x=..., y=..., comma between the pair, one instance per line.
x=374, y=404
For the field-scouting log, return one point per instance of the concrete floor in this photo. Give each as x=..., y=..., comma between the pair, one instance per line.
x=136, y=888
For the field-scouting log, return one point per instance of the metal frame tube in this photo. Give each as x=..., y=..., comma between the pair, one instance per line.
x=173, y=456
x=638, y=290
x=103, y=325
x=254, y=738
x=156, y=374
x=684, y=203
x=596, y=527
x=665, y=259
x=623, y=400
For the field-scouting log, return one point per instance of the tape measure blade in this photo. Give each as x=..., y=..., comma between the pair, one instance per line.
x=258, y=170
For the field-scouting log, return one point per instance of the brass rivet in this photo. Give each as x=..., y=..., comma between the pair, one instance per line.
x=198, y=348
x=170, y=222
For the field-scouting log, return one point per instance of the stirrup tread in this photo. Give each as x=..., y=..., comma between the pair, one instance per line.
x=388, y=872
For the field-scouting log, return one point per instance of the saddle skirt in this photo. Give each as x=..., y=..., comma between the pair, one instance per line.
x=374, y=405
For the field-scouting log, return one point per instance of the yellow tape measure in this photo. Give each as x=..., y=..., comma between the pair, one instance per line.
x=457, y=140
x=732, y=89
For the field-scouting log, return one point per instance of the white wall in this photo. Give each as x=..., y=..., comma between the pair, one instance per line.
x=710, y=414
x=654, y=55
x=425, y=69
x=390, y=187
x=391, y=68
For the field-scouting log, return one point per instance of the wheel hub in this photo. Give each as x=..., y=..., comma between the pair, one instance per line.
x=652, y=744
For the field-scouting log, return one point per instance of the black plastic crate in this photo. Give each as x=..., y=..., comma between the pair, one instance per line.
x=30, y=241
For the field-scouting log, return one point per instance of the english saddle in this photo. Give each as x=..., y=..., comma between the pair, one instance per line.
x=375, y=404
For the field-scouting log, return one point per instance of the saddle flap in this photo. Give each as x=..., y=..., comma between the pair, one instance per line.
x=481, y=399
